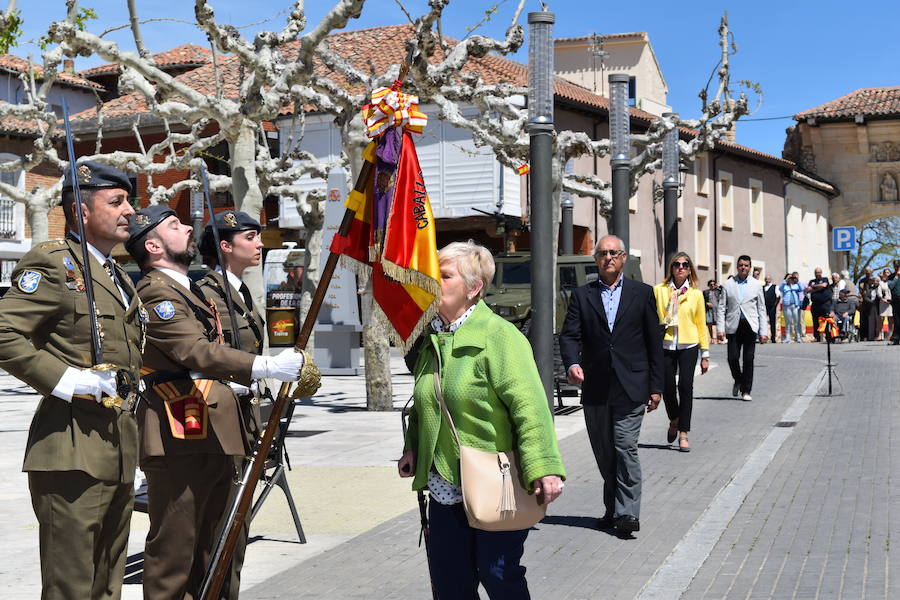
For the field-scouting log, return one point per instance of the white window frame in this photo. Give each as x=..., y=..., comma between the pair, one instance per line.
x=701, y=174
x=18, y=207
x=723, y=274
x=726, y=200
x=702, y=258
x=757, y=225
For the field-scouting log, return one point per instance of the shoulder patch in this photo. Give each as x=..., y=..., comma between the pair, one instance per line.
x=165, y=310
x=29, y=281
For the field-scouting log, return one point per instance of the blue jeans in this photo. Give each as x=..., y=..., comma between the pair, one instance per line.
x=792, y=321
x=462, y=557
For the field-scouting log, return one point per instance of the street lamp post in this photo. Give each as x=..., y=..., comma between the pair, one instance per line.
x=670, y=189
x=540, y=131
x=620, y=148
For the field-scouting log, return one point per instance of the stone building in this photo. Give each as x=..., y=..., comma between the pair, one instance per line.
x=854, y=143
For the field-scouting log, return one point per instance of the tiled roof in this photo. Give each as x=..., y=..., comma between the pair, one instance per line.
x=19, y=127
x=16, y=65
x=604, y=36
x=360, y=46
x=869, y=102
x=186, y=55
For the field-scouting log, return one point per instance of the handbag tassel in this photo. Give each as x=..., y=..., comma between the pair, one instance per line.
x=507, y=506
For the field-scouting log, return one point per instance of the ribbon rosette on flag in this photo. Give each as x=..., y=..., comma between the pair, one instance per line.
x=392, y=236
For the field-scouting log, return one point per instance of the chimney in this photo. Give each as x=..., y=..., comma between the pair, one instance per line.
x=69, y=66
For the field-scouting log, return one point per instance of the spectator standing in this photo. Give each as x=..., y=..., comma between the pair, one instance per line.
x=742, y=317
x=886, y=312
x=819, y=290
x=711, y=298
x=872, y=293
x=770, y=293
x=867, y=274
x=611, y=341
x=837, y=284
x=681, y=310
x=894, y=287
x=791, y=297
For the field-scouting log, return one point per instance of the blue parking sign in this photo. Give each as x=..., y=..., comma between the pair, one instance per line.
x=843, y=239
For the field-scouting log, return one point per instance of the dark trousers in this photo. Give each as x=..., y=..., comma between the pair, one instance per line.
x=773, y=324
x=187, y=501
x=816, y=313
x=613, y=429
x=679, y=402
x=462, y=557
x=83, y=532
x=895, y=308
x=742, y=341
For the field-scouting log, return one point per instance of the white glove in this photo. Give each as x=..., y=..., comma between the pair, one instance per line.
x=238, y=389
x=283, y=367
x=88, y=382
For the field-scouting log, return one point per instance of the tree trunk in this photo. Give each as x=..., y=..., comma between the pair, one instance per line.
x=247, y=195
x=376, y=347
x=37, y=213
x=244, y=183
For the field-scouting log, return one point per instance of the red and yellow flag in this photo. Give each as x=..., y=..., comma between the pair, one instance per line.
x=392, y=235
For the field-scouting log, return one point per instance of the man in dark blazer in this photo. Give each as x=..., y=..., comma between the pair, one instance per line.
x=770, y=293
x=611, y=343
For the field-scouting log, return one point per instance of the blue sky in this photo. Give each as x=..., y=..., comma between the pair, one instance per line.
x=802, y=53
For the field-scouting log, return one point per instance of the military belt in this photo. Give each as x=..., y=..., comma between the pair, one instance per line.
x=165, y=376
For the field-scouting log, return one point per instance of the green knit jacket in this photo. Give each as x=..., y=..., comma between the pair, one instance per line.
x=493, y=391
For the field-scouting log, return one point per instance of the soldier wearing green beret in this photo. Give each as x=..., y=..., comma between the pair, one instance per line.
x=82, y=446
x=193, y=432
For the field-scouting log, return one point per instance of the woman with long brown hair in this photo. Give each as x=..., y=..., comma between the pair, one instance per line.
x=682, y=311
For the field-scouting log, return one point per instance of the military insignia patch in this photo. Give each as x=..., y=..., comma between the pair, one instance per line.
x=29, y=281
x=230, y=220
x=141, y=220
x=144, y=315
x=84, y=174
x=165, y=310
x=68, y=264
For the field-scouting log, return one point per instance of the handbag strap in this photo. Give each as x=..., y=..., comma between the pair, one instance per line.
x=440, y=395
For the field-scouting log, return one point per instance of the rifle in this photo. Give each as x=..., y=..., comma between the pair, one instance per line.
x=229, y=303
x=125, y=384
x=220, y=561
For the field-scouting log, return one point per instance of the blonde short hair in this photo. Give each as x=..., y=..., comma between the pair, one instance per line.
x=473, y=261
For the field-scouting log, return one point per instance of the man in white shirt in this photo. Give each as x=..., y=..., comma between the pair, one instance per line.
x=742, y=317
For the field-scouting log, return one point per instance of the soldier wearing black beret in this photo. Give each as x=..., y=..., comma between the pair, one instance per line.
x=82, y=447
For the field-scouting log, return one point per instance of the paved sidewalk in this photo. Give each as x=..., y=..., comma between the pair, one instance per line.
x=567, y=558
x=812, y=520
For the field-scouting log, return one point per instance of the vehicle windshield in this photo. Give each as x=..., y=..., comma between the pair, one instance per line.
x=517, y=274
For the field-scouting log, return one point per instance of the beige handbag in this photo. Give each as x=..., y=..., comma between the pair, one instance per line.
x=493, y=496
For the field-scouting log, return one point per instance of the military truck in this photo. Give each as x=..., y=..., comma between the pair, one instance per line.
x=509, y=294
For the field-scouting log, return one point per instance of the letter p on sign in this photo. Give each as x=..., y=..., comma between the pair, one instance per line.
x=843, y=239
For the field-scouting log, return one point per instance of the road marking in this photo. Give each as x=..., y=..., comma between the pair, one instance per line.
x=674, y=576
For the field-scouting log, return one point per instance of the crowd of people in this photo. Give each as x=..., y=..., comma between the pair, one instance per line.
x=864, y=309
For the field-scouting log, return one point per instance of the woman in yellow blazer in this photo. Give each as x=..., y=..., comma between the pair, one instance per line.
x=682, y=311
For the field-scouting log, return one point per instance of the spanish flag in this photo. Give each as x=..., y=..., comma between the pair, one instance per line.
x=392, y=237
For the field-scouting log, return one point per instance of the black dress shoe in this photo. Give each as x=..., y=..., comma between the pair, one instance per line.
x=606, y=522
x=628, y=524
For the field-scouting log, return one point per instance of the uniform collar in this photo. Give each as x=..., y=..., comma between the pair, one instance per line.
x=233, y=279
x=101, y=258
x=181, y=278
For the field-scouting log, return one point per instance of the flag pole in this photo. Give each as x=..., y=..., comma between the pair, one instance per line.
x=220, y=562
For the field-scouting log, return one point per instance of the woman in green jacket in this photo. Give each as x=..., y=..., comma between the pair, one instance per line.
x=494, y=394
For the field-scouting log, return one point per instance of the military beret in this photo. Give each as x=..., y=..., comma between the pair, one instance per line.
x=232, y=220
x=93, y=175
x=145, y=220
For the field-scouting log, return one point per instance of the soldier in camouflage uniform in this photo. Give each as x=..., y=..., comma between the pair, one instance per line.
x=81, y=455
